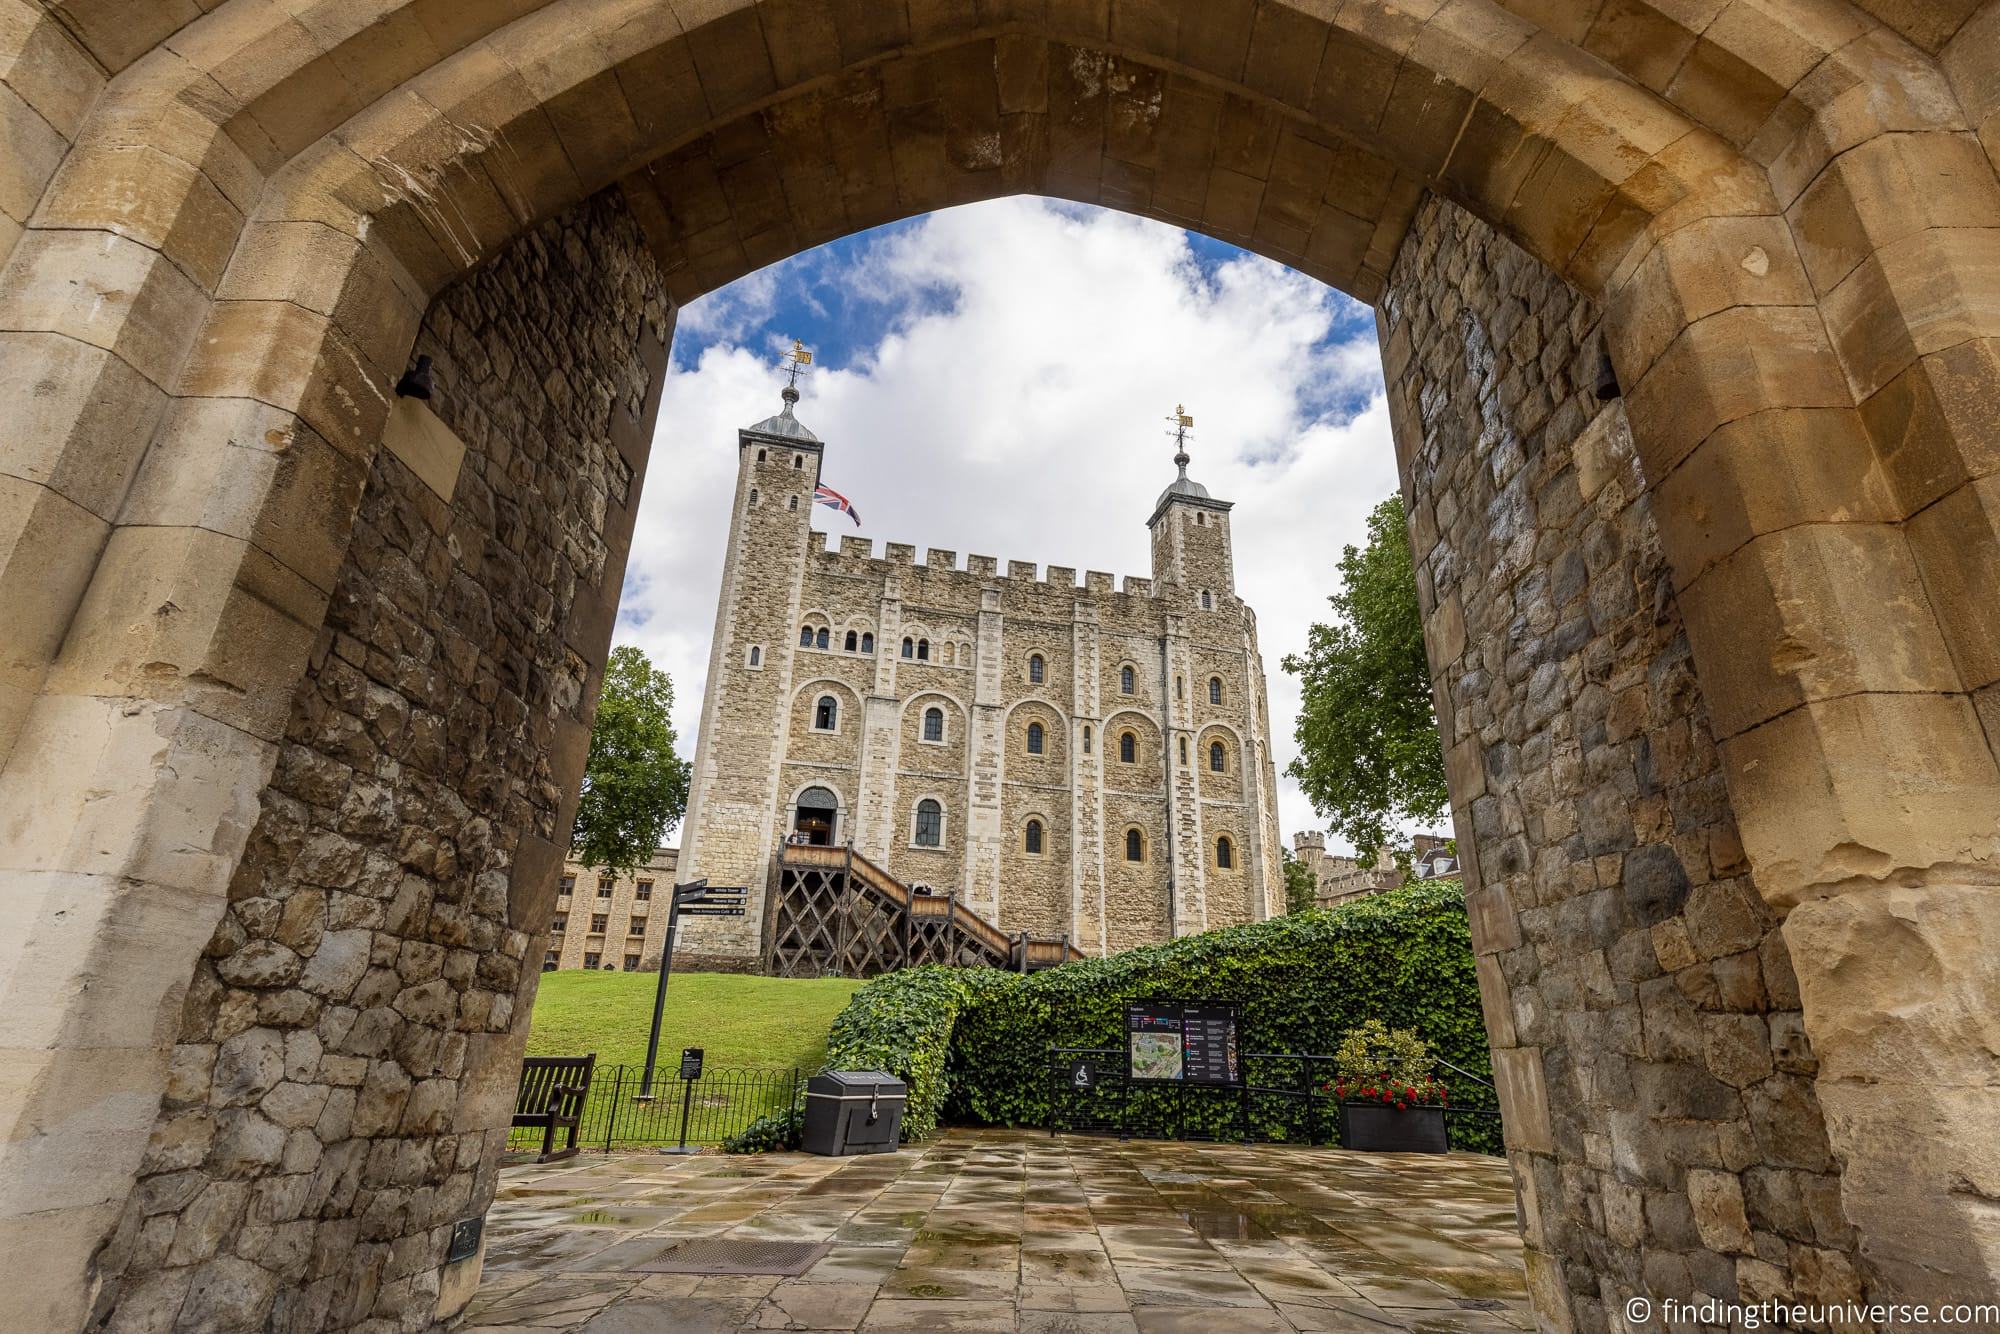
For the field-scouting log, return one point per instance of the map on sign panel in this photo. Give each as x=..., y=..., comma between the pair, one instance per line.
x=1169, y=1042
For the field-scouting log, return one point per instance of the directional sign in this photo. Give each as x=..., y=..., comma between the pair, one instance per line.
x=711, y=912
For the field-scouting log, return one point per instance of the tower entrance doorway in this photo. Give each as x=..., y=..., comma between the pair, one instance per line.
x=817, y=811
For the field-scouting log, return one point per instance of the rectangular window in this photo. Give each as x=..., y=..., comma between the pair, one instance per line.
x=568, y=884
x=562, y=924
x=598, y=921
x=590, y=960
x=644, y=892
x=604, y=887
x=631, y=963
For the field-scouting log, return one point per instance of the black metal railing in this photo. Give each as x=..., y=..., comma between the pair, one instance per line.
x=708, y=1110
x=1285, y=1098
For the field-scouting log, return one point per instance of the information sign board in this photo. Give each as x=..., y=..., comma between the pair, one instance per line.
x=1173, y=1042
x=691, y=1062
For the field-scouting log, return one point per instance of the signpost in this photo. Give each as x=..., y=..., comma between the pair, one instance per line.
x=697, y=898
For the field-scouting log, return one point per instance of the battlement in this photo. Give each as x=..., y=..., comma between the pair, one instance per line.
x=861, y=556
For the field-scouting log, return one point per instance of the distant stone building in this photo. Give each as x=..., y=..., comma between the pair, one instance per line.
x=1089, y=761
x=609, y=922
x=1342, y=878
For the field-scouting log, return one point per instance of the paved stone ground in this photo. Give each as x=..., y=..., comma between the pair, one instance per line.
x=1004, y=1231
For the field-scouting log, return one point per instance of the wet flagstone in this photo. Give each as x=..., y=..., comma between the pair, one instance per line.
x=1017, y=1233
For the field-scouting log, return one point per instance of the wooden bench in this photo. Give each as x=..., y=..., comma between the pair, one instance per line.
x=552, y=1092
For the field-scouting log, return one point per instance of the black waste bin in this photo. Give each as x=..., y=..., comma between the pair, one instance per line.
x=853, y=1111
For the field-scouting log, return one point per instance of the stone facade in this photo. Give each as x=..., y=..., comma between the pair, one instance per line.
x=1662, y=1120
x=632, y=931
x=1097, y=758
x=1339, y=878
x=331, y=1104
x=223, y=223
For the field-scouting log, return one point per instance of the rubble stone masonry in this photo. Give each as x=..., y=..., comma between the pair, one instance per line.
x=1658, y=1084
x=348, y=1049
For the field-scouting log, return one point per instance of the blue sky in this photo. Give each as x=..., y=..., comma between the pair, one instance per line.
x=994, y=378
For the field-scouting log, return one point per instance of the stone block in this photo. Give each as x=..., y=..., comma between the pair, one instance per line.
x=1925, y=293
x=1933, y=424
x=1957, y=547
x=1885, y=190
x=1524, y=1102
x=1842, y=791
x=293, y=359
x=108, y=292
x=1813, y=613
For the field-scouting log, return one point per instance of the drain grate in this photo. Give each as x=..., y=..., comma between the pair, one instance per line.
x=724, y=1255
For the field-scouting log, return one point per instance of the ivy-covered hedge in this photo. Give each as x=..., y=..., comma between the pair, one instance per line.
x=1404, y=957
x=972, y=1044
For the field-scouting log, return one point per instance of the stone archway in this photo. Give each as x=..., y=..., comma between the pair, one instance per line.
x=227, y=235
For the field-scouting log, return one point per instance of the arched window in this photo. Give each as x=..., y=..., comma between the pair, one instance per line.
x=868, y=642
x=1218, y=757
x=1180, y=687
x=753, y=495
x=923, y=650
x=798, y=461
x=853, y=641
x=930, y=824
x=933, y=724
x=760, y=456
x=1035, y=738
x=1207, y=602
x=1215, y=690
x=1125, y=680
x=756, y=655
x=1035, y=669
x=1086, y=740
x=950, y=654
x=909, y=647
x=806, y=637
x=1201, y=521
x=1128, y=748
x=819, y=640
x=1032, y=841
x=1225, y=854
x=1183, y=750
x=1135, y=846
x=826, y=714
x=793, y=504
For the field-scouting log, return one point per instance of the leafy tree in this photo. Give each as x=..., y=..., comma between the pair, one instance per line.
x=1369, y=754
x=635, y=788
x=1301, y=883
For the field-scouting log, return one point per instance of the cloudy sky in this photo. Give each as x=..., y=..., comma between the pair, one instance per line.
x=995, y=378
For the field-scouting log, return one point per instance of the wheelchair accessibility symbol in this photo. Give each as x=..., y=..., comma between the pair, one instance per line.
x=1079, y=1075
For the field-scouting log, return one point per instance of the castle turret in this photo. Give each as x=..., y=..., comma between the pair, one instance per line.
x=733, y=803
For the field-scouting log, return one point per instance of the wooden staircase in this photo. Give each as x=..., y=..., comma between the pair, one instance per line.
x=834, y=913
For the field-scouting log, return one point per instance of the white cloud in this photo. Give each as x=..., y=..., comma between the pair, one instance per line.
x=1015, y=408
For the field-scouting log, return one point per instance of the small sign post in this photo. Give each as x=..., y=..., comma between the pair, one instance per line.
x=690, y=1071
x=696, y=899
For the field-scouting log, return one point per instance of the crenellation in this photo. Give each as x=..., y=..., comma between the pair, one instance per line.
x=902, y=553
x=1026, y=571
x=1136, y=586
x=1062, y=576
x=1099, y=583
x=857, y=548
x=981, y=566
x=937, y=558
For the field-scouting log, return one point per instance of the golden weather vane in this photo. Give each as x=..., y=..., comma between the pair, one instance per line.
x=797, y=359
x=1183, y=423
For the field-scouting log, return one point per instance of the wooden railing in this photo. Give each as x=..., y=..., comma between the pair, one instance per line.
x=899, y=895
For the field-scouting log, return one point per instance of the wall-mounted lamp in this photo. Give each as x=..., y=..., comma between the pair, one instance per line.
x=416, y=381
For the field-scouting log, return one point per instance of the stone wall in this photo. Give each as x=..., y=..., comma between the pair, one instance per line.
x=1662, y=1121
x=350, y=1042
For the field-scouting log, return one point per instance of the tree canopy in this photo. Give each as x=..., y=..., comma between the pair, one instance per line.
x=635, y=788
x=1301, y=882
x=1369, y=755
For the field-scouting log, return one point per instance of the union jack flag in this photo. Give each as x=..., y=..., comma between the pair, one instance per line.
x=833, y=500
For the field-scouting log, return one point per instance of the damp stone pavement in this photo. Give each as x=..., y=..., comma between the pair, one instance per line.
x=1005, y=1231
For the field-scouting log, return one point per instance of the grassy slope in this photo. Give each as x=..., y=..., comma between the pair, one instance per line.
x=768, y=1023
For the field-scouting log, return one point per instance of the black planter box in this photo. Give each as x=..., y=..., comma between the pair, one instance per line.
x=1375, y=1128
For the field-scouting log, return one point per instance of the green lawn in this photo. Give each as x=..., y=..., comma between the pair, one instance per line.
x=768, y=1023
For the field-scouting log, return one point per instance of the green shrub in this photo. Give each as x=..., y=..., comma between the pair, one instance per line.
x=780, y=1130
x=901, y=1023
